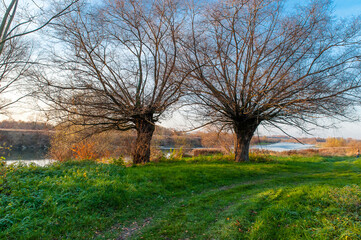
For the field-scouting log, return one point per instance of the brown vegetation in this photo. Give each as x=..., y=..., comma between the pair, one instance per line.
x=69, y=144
x=332, y=151
x=114, y=144
x=207, y=151
x=215, y=139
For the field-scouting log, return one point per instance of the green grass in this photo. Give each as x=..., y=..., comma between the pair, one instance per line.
x=201, y=198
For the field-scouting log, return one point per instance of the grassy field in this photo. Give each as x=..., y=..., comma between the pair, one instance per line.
x=201, y=198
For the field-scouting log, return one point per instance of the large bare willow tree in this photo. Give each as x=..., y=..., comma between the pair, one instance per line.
x=261, y=62
x=118, y=67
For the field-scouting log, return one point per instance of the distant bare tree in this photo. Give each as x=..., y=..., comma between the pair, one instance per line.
x=258, y=61
x=118, y=67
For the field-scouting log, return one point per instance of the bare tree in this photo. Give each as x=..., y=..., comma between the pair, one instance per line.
x=118, y=67
x=15, y=51
x=259, y=62
x=14, y=65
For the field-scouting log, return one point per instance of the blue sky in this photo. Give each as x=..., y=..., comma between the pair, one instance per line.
x=342, y=8
x=345, y=8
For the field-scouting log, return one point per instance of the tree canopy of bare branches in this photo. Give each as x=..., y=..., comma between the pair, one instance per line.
x=259, y=62
x=117, y=67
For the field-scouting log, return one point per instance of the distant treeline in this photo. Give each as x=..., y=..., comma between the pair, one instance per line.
x=20, y=135
x=8, y=124
x=25, y=140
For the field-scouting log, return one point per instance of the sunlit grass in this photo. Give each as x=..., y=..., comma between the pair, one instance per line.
x=201, y=198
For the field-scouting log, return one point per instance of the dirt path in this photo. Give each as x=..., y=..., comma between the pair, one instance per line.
x=129, y=231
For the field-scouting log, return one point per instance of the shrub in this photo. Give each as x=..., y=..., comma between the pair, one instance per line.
x=335, y=142
x=2, y=162
x=156, y=154
x=71, y=143
x=176, y=154
x=84, y=151
x=258, y=157
x=118, y=161
x=214, y=139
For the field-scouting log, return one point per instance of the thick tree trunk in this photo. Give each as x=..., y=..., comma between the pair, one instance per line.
x=145, y=129
x=244, y=132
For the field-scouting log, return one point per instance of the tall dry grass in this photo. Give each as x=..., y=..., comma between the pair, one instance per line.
x=72, y=144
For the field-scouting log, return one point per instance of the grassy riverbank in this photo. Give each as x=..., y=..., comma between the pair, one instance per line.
x=201, y=198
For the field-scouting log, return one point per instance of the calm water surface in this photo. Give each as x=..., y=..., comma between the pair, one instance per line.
x=284, y=146
x=27, y=157
x=39, y=162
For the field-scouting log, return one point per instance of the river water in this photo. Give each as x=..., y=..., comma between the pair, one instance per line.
x=283, y=146
x=27, y=157
x=39, y=162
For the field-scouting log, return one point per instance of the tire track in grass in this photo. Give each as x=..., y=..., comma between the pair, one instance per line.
x=193, y=216
x=236, y=190
x=207, y=201
x=135, y=228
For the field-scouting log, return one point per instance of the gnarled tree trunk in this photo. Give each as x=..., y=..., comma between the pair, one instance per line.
x=145, y=129
x=244, y=132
